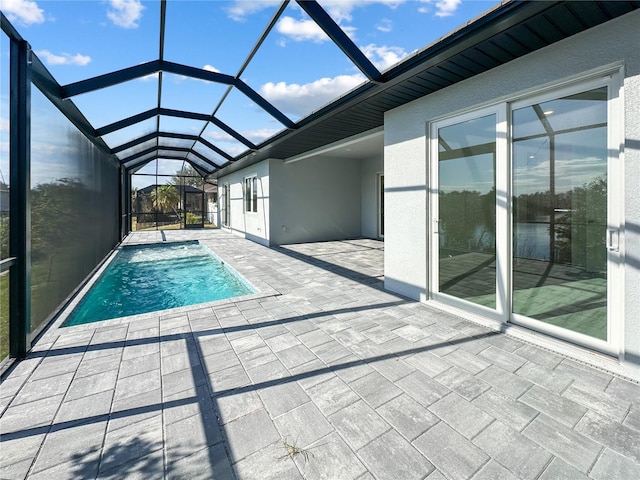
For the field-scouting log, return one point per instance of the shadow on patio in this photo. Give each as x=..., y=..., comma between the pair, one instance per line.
x=359, y=381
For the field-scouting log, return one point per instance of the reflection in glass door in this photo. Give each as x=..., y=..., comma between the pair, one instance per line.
x=526, y=227
x=465, y=211
x=560, y=186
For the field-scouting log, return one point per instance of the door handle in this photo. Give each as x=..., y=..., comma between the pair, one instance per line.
x=613, y=239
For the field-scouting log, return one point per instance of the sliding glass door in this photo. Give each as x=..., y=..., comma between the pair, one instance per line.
x=464, y=235
x=522, y=225
x=560, y=187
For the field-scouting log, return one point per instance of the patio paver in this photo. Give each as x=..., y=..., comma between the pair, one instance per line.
x=359, y=383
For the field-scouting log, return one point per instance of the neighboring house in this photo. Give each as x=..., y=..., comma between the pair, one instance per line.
x=510, y=196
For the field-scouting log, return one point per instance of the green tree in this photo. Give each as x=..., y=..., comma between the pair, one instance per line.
x=580, y=231
x=166, y=197
x=187, y=175
x=56, y=210
x=467, y=218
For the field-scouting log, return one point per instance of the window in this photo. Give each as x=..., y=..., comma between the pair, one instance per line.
x=560, y=161
x=251, y=194
x=226, y=204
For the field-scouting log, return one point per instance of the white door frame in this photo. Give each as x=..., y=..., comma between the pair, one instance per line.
x=504, y=216
x=380, y=203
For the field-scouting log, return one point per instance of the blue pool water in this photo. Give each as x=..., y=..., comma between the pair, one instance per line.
x=143, y=279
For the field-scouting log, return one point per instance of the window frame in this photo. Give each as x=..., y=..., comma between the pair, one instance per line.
x=250, y=188
x=226, y=204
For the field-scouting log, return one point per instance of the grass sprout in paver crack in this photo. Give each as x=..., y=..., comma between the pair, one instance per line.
x=293, y=450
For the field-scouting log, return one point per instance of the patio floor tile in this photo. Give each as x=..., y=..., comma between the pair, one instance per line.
x=320, y=375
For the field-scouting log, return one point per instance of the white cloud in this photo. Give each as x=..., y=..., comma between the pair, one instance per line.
x=340, y=10
x=210, y=68
x=383, y=57
x=225, y=142
x=125, y=13
x=303, y=99
x=23, y=11
x=259, y=135
x=301, y=30
x=63, y=59
x=219, y=136
x=151, y=76
x=444, y=8
x=4, y=124
x=570, y=173
x=241, y=9
x=385, y=25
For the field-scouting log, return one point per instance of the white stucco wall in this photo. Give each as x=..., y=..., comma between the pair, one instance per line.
x=616, y=42
x=405, y=173
x=632, y=211
x=254, y=226
x=369, y=170
x=315, y=199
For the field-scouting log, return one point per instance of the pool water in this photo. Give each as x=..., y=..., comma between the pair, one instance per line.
x=148, y=278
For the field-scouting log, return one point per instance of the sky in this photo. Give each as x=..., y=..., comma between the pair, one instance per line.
x=297, y=68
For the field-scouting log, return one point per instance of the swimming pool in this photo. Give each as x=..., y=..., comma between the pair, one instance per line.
x=148, y=278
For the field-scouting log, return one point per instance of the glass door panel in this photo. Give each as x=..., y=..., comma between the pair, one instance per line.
x=466, y=206
x=559, y=271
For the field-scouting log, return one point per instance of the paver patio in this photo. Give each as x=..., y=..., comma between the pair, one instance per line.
x=358, y=382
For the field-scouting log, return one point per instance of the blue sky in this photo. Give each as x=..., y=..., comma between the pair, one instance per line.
x=298, y=69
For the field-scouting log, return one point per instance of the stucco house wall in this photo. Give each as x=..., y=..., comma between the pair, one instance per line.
x=369, y=171
x=251, y=225
x=315, y=199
